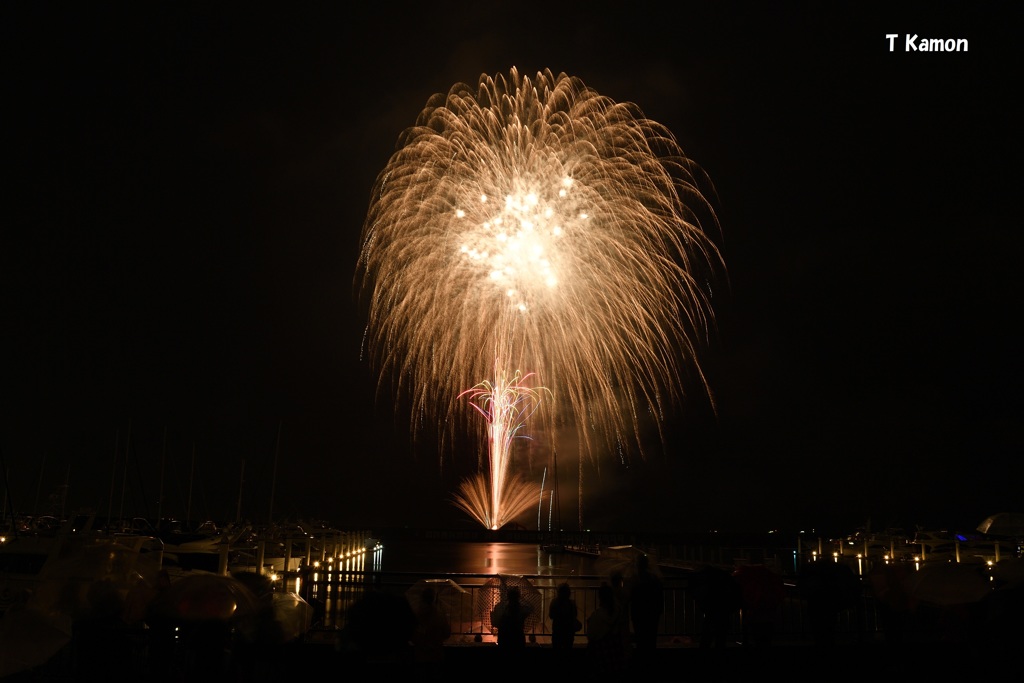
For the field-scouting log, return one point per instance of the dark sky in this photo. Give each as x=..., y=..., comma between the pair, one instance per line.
x=186, y=189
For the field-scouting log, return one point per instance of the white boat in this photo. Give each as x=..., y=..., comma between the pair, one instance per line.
x=205, y=548
x=891, y=543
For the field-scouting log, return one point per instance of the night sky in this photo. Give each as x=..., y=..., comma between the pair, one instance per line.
x=186, y=186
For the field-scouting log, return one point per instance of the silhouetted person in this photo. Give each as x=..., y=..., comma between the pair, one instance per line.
x=620, y=595
x=1000, y=627
x=762, y=592
x=646, y=605
x=379, y=629
x=207, y=647
x=718, y=597
x=164, y=665
x=432, y=630
x=564, y=621
x=887, y=582
x=830, y=589
x=99, y=632
x=509, y=617
x=606, y=648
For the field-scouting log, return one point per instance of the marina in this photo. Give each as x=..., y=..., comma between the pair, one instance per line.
x=313, y=579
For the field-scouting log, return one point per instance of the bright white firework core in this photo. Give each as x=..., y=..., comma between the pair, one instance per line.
x=513, y=246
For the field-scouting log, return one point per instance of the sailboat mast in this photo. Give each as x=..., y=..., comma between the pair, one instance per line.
x=39, y=486
x=160, y=494
x=124, y=476
x=579, y=492
x=540, y=503
x=273, y=478
x=191, y=477
x=113, y=476
x=64, y=494
x=8, y=500
x=241, y=485
x=556, y=497
x=3, y=511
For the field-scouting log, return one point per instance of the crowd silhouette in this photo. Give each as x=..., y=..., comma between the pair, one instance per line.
x=619, y=634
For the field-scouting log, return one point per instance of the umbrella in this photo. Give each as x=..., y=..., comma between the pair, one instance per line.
x=286, y=612
x=493, y=591
x=259, y=584
x=450, y=598
x=1003, y=524
x=293, y=614
x=947, y=584
x=86, y=575
x=205, y=597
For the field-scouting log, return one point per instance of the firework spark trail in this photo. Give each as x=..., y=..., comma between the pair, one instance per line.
x=506, y=405
x=538, y=221
x=474, y=497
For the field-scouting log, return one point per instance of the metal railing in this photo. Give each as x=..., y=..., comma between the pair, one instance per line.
x=467, y=606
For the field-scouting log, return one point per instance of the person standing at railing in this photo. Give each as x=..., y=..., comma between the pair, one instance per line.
x=620, y=596
x=646, y=605
x=564, y=621
x=606, y=648
x=509, y=616
x=432, y=630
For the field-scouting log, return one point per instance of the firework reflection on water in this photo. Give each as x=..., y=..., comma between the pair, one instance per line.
x=402, y=563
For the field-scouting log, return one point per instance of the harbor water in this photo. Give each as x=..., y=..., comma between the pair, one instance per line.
x=473, y=567
x=460, y=558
